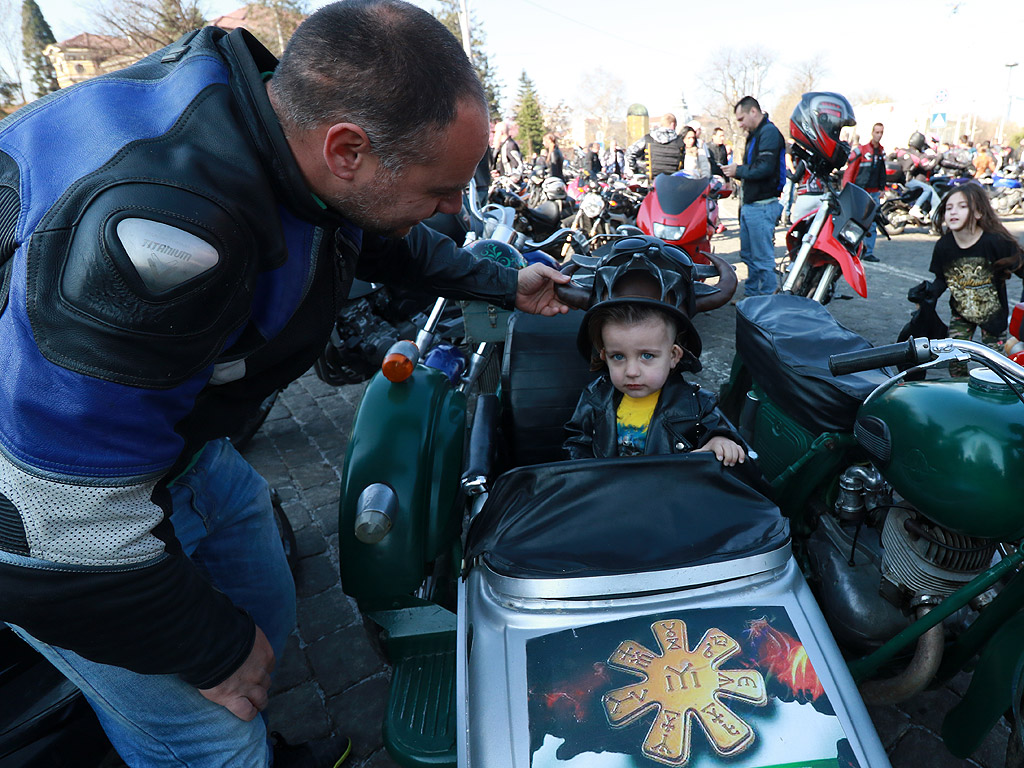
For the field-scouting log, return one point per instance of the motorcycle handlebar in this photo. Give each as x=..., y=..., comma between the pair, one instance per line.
x=910, y=352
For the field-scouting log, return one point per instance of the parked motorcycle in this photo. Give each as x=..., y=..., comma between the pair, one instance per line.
x=593, y=215
x=1007, y=191
x=564, y=627
x=683, y=211
x=900, y=207
x=903, y=496
x=827, y=243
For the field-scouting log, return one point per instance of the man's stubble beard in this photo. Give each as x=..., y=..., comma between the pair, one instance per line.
x=366, y=207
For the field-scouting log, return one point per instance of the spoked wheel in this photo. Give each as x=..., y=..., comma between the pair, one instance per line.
x=806, y=282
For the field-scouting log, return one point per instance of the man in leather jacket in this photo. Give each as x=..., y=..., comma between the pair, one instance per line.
x=866, y=168
x=161, y=273
x=660, y=151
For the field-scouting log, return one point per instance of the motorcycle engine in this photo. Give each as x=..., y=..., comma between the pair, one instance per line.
x=874, y=561
x=926, y=562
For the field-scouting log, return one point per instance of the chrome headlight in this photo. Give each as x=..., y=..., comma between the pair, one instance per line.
x=851, y=233
x=592, y=205
x=666, y=232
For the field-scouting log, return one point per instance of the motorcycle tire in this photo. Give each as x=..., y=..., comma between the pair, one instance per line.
x=806, y=283
x=252, y=425
x=285, y=531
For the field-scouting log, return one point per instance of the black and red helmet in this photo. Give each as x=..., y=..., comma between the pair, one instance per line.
x=816, y=123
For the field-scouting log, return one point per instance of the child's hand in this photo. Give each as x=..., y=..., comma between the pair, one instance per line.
x=725, y=450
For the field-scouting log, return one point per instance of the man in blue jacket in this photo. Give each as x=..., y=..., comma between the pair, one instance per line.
x=166, y=263
x=763, y=174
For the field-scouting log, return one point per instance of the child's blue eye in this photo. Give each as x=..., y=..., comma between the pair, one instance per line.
x=617, y=356
x=647, y=356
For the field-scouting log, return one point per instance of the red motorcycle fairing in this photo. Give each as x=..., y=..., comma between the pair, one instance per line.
x=678, y=201
x=827, y=248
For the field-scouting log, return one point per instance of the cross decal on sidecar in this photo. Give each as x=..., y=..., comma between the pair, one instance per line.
x=679, y=683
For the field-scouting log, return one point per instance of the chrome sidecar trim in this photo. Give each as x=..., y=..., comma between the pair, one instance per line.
x=639, y=583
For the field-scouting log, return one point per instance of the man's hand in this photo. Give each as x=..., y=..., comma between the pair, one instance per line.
x=244, y=694
x=729, y=170
x=536, y=290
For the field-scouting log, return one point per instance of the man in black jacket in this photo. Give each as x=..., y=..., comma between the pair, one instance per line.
x=172, y=266
x=763, y=174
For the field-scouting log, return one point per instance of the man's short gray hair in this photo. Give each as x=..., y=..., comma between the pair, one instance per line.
x=385, y=65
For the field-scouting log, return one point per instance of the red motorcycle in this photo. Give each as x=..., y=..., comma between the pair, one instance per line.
x=683, y=211
x=827, y=243
x=1014, y=345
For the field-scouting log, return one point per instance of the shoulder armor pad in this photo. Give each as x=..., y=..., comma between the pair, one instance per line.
x=137, y=290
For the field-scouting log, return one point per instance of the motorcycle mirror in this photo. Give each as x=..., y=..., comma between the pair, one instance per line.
x=400, y=361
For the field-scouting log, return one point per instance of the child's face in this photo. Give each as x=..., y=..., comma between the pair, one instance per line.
x=958, y=213
x=639, y=357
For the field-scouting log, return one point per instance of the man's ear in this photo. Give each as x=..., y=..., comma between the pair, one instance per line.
x=346, y=147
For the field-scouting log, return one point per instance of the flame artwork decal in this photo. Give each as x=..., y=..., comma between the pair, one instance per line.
x=724, y=686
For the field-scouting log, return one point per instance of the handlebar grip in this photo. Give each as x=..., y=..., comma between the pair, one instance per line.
x=904, y=354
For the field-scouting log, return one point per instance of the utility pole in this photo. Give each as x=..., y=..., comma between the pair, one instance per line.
x=464, y=26
x=1009, y=100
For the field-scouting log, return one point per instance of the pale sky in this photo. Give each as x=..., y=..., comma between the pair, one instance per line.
x=939, y=55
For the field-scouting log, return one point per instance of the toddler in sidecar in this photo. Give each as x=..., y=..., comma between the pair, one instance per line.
x=642, y=405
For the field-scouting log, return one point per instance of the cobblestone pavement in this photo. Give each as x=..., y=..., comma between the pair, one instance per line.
x=331, y=682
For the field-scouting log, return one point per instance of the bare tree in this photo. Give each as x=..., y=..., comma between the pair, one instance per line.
x=602, y=96
x=148, y=25
x=737, y=72
x=804, y=78
x=10, y=53
x=558, y=118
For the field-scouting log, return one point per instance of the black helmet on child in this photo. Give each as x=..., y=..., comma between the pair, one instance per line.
x=646, y=271
x=816, y=123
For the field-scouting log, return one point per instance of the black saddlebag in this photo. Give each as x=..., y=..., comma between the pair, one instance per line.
x=785, y=342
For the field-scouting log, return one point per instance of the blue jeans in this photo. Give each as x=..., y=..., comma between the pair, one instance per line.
x=788, y=195
x=224, y=519
x=872, y=234
x=757, y=246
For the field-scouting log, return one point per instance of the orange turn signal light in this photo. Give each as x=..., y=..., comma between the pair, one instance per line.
x=400, y=361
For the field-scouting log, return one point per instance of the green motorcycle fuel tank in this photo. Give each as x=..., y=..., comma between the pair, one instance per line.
x=952, y=448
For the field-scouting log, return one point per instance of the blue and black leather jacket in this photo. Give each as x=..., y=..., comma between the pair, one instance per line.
x=163, y=268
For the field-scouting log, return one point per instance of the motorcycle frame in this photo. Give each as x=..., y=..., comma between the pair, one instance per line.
x=819, y=245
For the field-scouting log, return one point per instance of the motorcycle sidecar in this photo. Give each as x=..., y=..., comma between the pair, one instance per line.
x=641, y=611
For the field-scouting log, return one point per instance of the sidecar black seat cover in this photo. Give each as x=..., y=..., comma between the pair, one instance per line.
x=542, y=375
x=604, y=517
x=785, y=342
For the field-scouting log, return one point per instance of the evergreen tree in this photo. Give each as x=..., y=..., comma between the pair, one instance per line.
x=529, y=116
x=448, y=14
x=36, y=35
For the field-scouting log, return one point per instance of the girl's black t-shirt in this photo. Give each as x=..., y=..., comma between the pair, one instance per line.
x=976, y=292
